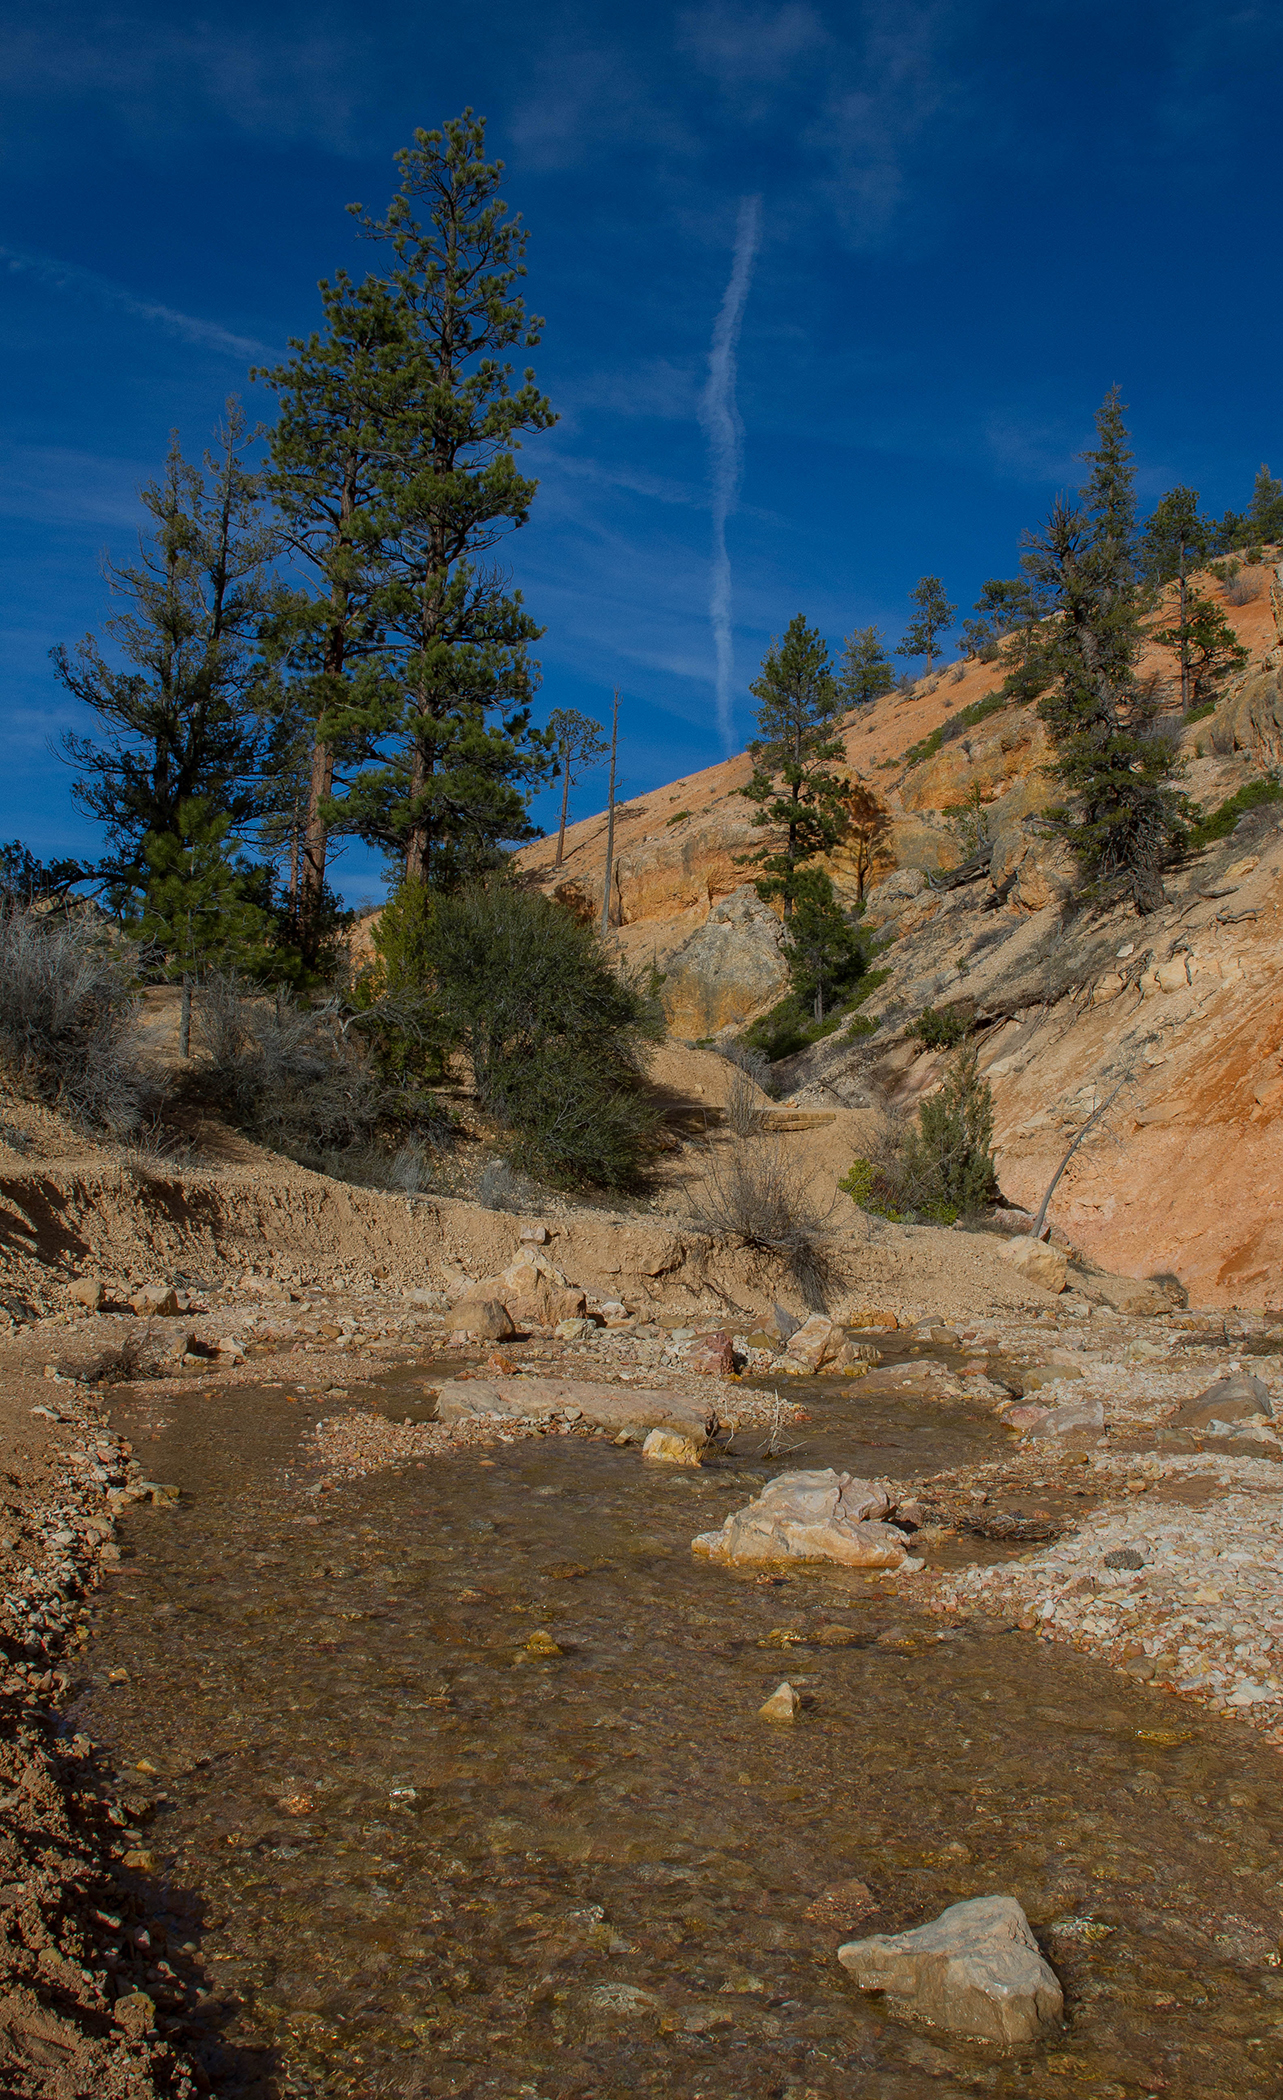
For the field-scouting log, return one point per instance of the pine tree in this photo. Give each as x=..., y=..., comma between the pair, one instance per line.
x=933, y=617
x=1175, y=539
x=1207, y=647
x=866, y=670
x=1006, y=605
x=456, y=757
x=202, y=909
x=823, y=949
x=331, y=452
x=1265, y=512
x=183, y=716
x=793, y=780
x=577, y=741
x=1118, y=770
x=948, y=1169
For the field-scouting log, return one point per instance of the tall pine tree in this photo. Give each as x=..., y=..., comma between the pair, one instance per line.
x=331, y=452
x=1118, y=769
x=793, y=780
x=456, y=757
x=931, y=619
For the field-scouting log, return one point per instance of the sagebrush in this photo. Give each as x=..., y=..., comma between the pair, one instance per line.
x=754, y=1193
x=68, y=1017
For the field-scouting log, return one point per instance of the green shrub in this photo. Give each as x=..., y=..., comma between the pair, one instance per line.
x=1204, y=708
x=940, y=1029
x=947, y=1165
x=789, y=1027
x=679, y=818
x=944, y=1169
x=957, y=725
x=863, y=1024
x=555, y=1036
x=1221, y=822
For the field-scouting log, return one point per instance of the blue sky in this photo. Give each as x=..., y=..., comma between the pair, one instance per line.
x=974, y=218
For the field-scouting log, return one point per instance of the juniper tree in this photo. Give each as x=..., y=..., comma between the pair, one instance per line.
x=455, y=757
x=866, y=668
x=793, y=780
x=931, y=620
x=1126, y=815
x=179, y=698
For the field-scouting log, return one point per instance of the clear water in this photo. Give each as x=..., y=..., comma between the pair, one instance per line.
x=405, y=1853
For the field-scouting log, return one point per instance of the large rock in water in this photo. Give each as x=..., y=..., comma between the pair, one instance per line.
x=810, y=1516
x=730, y=970
x=976, y=1969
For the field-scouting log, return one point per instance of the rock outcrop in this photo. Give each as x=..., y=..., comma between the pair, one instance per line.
x=732, y=969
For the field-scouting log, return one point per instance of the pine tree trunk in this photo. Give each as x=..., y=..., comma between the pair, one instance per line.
x=316, y=841
x=418, y=844
x=185, y=1019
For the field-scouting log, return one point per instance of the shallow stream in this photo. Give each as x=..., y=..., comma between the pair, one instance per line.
x=399, y=1851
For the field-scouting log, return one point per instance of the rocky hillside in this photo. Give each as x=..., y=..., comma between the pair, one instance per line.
x=1177, y=1014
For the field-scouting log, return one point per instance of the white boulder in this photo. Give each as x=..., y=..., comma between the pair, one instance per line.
x=811, y=1516
x=976, y=1969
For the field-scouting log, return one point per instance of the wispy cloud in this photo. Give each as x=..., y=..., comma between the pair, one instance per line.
x=283, y=80
x=87, y=287
x=721, y=419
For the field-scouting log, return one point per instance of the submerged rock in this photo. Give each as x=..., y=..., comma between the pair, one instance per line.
x=674, y=1447
x=528, y=1399
x=976, y=1969
x=811, y=1516
x=1075, y=1418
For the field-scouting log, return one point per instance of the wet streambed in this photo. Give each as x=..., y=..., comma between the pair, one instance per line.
x=398, y=1849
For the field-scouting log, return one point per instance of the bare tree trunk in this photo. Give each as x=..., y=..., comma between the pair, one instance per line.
x=565, y=802
x=1040, y=1225
x=610, y=824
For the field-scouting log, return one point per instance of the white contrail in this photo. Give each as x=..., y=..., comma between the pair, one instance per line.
x=88, y=285
x=721, y=420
